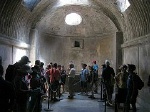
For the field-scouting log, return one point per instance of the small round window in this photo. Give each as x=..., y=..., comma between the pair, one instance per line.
x=73, y=19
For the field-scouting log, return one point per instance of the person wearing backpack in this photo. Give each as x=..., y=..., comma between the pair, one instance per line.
x=7, y=94
x=134, y=83
x=11, y=70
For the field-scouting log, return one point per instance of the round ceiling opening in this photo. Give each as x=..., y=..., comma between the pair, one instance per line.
x=73, y=19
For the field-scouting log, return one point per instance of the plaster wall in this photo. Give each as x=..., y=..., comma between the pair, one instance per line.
x=11, y=51
x=62, y=51
x=6, y=55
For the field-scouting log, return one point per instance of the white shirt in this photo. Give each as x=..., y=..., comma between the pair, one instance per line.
x=72, y=73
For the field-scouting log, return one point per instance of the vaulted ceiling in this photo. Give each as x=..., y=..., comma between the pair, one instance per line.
x=99, y=16
x=97, y=19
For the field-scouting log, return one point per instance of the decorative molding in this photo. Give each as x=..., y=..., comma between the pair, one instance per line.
x=97, y=35
x=138, y=41
x=13, y=42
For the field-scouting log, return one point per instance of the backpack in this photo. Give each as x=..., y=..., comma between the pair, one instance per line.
x=139, y=82
x=10, y=73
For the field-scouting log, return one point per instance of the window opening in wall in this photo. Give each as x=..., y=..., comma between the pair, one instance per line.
x=73, y=19
x=76, y=44
x=30, y=4
x=73, y=2
x=122, y=5
x=18, y=54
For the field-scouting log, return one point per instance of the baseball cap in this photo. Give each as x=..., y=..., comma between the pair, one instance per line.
x=25, y=59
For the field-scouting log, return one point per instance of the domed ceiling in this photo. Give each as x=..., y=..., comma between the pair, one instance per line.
x=96, y=18
x=93, y=22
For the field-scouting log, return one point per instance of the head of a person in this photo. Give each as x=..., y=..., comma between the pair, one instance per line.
x=37, y=62
x=84, y=65
x=94, y=62
x=24, y=60
x=107, y=63
x=25, y=70
x=90, y=67
x=36, y=69
x=41, y=64
x=71, y=65
x=55, y=65
x=131, y=67
x=124, y=67
x=49, y=66
x=103, y=66
x=1, y=70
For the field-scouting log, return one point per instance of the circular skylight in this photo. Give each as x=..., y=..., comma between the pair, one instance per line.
x=73, y=19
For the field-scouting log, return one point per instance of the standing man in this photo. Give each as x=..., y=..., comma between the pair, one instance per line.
x=7, y=94
x=71, y=76
x=95, y=68
x=84, y=78
x=11, y=70
x=108, y=76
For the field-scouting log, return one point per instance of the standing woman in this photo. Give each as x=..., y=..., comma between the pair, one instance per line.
x=121, y=82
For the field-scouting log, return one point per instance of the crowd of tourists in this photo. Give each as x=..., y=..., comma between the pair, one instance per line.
x=126, y=84
x=23, y=86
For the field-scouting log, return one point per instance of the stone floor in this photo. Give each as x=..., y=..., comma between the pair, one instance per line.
x=80, y=103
